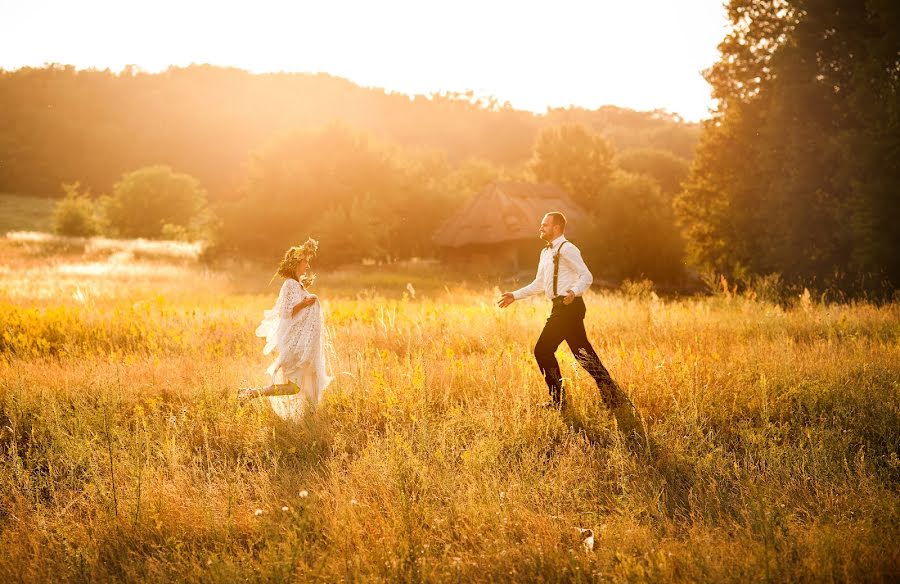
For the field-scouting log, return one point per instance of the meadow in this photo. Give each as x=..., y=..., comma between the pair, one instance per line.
x=770, y=454
x=21, y=212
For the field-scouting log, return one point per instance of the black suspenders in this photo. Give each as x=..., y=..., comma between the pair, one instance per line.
x=556, y=266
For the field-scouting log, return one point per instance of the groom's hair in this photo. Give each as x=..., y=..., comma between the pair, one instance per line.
x=558, y=219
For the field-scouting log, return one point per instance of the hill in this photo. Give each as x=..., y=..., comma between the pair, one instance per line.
x=61, y=124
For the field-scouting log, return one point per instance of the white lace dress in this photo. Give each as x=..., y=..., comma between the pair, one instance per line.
x=300, y=342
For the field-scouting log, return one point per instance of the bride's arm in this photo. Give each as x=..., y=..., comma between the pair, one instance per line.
x=305, y=303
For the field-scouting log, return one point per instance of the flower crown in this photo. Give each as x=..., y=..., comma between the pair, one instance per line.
x=293, y=256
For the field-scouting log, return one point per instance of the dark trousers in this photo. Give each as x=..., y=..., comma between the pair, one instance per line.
x=566, y=323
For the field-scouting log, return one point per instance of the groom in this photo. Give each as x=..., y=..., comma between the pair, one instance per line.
x=563, y=276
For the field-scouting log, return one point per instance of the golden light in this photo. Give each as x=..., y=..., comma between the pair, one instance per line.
x=641, y=54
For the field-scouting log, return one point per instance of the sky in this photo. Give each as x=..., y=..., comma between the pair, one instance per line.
x=640, y=54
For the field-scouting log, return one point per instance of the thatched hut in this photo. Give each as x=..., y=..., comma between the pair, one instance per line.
x=499, y=226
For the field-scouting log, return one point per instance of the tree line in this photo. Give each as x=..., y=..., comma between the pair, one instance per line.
x=796, y=174
x=365, y=199
x=59, y=124
x=254, y=162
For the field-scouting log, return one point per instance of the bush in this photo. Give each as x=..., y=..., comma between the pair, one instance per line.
x=74, y=214
x=146, y=200
x=638, y=289
x=770, y=288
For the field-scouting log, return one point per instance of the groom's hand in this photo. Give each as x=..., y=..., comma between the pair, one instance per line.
x=570, y=297
x=506, y=300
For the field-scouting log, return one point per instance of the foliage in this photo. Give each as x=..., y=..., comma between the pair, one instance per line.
x=360, y=198
x=574, y=158
x=153, y=202
x=633, y=231
x=667, y=169
x=796, y=173
x=75, y=214
x=354, y=231
x=627, y=129
x=298, y=178
x=124, y=455
x=61, y=124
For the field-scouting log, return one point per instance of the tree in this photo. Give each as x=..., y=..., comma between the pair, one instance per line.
x=353, y=231
x=296, y=178
x=633, y=231
x=74, y=215
x=575, y=159
x=667, y=169
x=797, y=172
x=146, y=200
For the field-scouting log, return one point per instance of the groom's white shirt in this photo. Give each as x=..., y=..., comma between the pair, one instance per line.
x=573, y=273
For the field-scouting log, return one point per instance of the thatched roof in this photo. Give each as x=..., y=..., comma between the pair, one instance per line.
x=507, y=211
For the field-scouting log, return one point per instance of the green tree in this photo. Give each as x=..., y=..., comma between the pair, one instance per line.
x=146, y=200
x=296, y=178
x=667, y=169
x=633, y=231
x=574, y=158
x=797, y=171
x=360, y=198
x=74, y=215
x=353, y=231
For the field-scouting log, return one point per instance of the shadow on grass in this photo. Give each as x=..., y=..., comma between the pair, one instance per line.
x=625, y=428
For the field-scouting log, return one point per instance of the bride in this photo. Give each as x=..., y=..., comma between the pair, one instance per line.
x=295, y=328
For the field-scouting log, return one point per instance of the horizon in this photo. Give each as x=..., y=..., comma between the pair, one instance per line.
x=475, y=98
x=374, y=47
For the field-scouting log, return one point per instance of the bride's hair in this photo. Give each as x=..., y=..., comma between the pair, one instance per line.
x=292, y=257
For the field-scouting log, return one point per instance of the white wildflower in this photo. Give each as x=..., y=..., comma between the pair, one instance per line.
x=587, y=538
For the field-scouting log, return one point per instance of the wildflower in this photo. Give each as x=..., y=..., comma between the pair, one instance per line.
x=587, y=538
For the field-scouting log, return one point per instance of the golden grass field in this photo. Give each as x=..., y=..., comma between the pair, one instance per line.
x=124, y=455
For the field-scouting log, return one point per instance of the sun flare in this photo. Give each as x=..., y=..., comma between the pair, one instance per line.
x=644, y=54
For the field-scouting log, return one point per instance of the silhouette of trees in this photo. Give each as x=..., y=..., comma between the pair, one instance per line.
x=797, y=171
x=59, y=124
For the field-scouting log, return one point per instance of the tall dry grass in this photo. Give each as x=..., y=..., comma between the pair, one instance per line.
x=124, y=455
